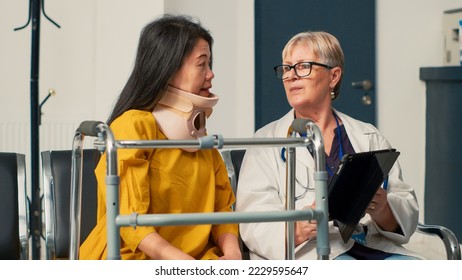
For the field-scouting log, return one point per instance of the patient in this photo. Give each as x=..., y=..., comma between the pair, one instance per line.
x=167, y=97
x=311, y=72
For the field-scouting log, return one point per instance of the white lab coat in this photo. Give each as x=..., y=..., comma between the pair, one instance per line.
x=262, y=183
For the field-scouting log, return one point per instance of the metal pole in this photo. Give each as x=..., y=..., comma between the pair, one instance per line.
x=313, y=133
x=290, y=203
x=36, y=210
x=112, y=194
x=76, y=195
x=104, y=134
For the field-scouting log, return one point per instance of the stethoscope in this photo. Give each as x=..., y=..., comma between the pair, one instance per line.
x=329, y=171
x=340, y=152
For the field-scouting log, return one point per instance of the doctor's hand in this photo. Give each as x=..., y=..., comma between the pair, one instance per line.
x=305, y=230
x=380, y=211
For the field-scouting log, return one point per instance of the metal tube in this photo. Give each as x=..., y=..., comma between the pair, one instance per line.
x=112, y=193
x=313, y=133
x=290, y=202
x=112, y=188
x=213, y=218
x=322, y=210
x=76, y=195
x=321, y=194
x=228, y=143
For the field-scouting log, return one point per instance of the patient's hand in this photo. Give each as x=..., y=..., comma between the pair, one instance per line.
x=229, y=245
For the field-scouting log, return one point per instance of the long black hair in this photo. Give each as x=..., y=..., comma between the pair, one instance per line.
x=163, y=45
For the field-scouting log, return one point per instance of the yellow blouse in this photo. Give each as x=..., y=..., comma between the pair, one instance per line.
x=162, y=181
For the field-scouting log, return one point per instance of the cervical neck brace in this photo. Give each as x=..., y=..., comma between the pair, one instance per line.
x=182, y=115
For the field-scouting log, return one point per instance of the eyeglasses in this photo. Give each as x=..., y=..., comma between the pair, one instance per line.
x=302, y=69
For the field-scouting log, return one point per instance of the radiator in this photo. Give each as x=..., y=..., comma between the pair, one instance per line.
x=15, y=137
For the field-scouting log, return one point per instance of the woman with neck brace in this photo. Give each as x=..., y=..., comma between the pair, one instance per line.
x=167, y=97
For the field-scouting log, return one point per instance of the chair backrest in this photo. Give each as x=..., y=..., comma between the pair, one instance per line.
x=14, y=210
x=56, y=168
x=233, y=161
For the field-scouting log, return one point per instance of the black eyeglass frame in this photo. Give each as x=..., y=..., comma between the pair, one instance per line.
x=311, y=63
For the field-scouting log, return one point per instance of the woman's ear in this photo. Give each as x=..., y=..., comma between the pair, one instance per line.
x=335, y=75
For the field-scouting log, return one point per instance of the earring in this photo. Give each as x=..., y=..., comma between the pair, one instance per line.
x=332, y=95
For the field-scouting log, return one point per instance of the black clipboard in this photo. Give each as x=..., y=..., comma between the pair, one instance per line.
x=354, y=184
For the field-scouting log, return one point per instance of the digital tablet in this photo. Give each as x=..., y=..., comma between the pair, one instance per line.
x=354, y=184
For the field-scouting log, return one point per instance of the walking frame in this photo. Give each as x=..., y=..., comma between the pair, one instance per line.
x=106, y=142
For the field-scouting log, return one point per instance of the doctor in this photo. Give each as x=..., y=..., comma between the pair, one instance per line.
x=311, y=71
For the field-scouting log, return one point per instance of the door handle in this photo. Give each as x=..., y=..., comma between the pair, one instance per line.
x=365, y=84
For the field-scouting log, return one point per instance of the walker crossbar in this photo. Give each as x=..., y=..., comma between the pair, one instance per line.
x=217, y=144
x=106, y=142
x=215, y=218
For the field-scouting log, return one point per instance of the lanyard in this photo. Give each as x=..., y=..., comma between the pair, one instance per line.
x=339, y=132
x=340, y=150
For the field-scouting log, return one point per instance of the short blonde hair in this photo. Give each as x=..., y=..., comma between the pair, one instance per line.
x=324, y=45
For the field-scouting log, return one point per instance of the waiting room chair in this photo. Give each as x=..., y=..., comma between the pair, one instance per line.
x=14, y=208
x=56, y=168
x=233, y=160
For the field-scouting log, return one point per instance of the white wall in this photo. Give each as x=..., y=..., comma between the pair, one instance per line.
x=231, y=25
x=89, y=59
x=409, y=36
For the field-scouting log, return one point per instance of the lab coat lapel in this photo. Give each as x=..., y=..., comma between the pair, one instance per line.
x=359, y=136
x=302, y=154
